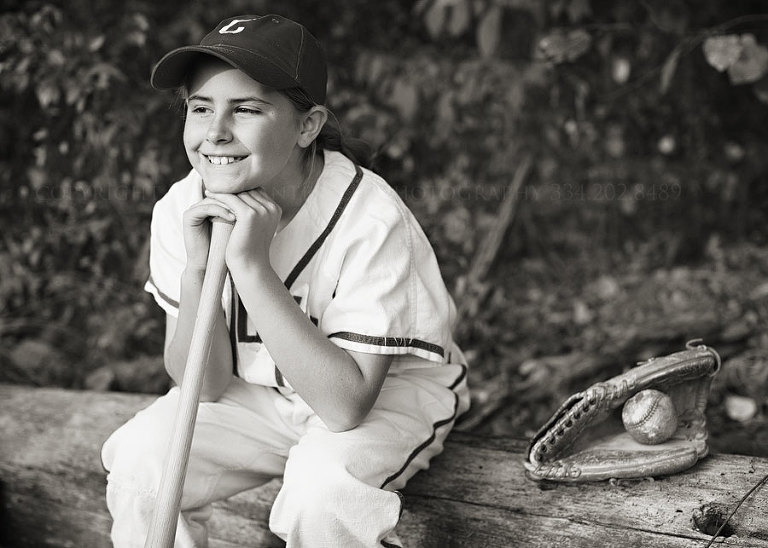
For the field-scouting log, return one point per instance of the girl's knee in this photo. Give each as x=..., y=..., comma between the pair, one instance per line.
x=326, y=501
x=137, y=449
x=315, y=480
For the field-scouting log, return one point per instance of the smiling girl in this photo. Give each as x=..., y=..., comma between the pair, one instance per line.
x=332, y=363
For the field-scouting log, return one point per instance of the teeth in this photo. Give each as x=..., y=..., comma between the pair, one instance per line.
x=223, y=160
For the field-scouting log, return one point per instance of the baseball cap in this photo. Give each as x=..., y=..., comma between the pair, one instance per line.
x=271, y=49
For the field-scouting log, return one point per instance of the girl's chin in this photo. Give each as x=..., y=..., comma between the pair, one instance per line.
x=222, y=189
x=223, y=183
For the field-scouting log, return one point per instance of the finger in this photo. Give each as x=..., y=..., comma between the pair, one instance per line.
x=210, y=204
x=258, y=194
x=214, y=201
x=230, y=201
x=259, y=201
x=244, y=204
x=203, y=210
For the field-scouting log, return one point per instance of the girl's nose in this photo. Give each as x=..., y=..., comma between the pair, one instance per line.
x=218, y=130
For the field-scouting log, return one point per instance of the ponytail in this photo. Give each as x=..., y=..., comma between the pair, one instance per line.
x=332, y=138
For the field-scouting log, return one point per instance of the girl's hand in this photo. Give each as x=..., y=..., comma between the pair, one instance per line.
x=197, y=230
x=257, y=217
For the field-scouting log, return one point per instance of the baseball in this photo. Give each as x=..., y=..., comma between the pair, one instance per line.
x=650, y=417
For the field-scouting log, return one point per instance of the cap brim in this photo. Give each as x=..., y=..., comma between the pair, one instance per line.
x=172, y=70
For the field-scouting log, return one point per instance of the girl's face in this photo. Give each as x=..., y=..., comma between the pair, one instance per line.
x=240, y=135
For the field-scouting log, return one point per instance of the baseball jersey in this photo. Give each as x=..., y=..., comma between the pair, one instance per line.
x=355, y=260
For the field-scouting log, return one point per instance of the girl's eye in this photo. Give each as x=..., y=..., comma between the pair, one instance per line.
x=248, y=110
x=198, y=109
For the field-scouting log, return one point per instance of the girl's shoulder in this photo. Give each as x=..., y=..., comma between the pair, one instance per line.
x=370, y=199
x=369, y=211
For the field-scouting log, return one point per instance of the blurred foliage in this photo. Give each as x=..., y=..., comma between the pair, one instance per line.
x=645, y=121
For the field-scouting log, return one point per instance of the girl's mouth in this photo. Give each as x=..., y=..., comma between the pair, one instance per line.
x=223, y=160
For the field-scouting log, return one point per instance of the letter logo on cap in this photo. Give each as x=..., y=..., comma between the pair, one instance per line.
x=228, y=29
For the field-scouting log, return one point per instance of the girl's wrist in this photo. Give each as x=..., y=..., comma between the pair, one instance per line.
x=254, y=271
x=193, y=272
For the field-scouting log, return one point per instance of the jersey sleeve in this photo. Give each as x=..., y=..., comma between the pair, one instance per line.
x=167, y=256
x=390, y=297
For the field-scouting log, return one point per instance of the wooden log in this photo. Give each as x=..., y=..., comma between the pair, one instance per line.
x=475, y=493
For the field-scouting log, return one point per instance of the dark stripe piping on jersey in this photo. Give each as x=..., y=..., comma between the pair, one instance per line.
x=304, y=261
x=232, y=321
x=404, y=342
x=435, y=426
x=242, y=325
x=162, y=295
x=241, y=333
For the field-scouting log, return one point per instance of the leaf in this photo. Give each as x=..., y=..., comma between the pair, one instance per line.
x=370, y=68
x=96, y=43
x=489, y=31
x=55, y=58
x=73, y=92
x=141, y=21
x=560, y=46
x=515, y=96
x=722, y=51
x=405, y=98
x=47, y=93
x=435, y=18
x=579, y=42
x=752, y=64
x=460, y=16
x=621, y=68
x=136, y=38
x=446, y=113
x=37, y=178
x=102, y=73
x=760, y=89
x=668, y=70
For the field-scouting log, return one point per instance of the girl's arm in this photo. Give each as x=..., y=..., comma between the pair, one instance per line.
x=340, y=386
x=178, y=334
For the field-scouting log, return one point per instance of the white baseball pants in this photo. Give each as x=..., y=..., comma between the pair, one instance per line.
x=338, y=488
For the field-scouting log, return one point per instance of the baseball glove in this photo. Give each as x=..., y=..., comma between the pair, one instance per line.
x=585, y=439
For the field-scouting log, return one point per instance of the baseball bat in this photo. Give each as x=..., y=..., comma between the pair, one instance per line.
x=166, y=513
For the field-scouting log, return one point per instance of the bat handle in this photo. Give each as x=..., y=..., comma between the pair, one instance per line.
x=164, y=520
